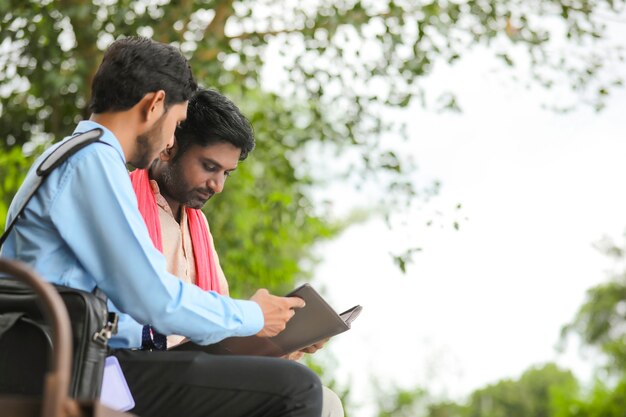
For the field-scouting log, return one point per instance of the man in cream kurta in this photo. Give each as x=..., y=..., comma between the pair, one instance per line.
x=207, y=148
x=178, y=250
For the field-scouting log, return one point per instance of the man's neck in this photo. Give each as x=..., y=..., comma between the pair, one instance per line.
x=121, y=126
x=175, y=206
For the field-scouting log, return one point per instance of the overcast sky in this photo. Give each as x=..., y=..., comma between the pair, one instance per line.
x=485, y=302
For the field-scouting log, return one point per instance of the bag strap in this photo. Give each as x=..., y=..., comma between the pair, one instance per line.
x=7, y=320
x=53, y=160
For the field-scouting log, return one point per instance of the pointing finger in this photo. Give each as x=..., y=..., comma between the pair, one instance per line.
x=295, y=302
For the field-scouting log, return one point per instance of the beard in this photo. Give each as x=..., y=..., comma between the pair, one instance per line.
x=149, y=144
x=175, y=187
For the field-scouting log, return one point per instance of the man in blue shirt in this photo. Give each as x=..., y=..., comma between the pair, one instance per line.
x=83, y=229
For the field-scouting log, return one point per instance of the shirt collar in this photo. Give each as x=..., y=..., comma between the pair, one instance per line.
x=107, y=136
x=160, y=200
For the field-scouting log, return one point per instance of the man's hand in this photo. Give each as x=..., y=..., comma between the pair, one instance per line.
x=276, y=311
x=297, y=355
x=294, y=356
x=315, y=347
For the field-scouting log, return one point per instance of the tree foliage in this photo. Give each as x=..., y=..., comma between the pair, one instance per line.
x=601, y=320
x=340, y=64
x=533, y=394
x=601, y=323
x=603, y=400
x=264, y=225
x=348, y=55
x=549, y=391
x=542, y=391
x=13, y=168
x=446, y=409
x=400, y=402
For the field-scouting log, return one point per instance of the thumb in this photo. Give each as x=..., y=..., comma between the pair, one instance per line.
x=295, y=302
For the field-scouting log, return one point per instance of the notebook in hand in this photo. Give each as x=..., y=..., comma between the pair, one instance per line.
x=310, y=324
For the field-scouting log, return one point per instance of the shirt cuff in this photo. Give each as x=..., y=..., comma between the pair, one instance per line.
x=253, y=320
x=128, y=333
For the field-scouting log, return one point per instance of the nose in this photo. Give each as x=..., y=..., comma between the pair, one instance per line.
x=216, y=182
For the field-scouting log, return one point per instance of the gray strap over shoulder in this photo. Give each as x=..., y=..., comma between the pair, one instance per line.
x=53, y=160
x=67, y=149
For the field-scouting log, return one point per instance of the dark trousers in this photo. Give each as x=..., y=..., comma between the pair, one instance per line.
x=197, y=384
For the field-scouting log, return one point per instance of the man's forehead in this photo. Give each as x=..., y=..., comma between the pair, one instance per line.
x=217, y=151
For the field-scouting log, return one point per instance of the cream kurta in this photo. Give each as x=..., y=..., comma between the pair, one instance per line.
x=178, y=250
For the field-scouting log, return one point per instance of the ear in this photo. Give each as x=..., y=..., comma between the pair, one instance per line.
x=152, y=106
x=169, y=153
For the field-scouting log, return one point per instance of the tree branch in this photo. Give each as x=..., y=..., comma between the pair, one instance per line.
x=217, y=25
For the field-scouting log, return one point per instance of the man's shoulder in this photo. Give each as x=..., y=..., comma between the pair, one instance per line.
x=91, y=167
x=94, y=149
x=91, y=156
x=105, y=146
x=95, y=156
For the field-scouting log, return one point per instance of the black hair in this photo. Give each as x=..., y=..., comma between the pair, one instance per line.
x=135, y=66
x=213, y=118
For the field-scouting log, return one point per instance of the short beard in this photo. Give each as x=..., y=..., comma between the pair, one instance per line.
x=143, y=152
x=143, y=156
x=169, y=183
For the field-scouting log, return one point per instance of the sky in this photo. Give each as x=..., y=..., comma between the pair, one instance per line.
x=537, y=190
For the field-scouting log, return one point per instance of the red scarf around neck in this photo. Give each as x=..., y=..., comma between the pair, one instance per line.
x=206, y=265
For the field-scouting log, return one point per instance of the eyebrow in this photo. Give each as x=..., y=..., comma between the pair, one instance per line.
x=214, y=162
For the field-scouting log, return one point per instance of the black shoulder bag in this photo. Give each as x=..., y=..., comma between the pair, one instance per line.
x=25, y=341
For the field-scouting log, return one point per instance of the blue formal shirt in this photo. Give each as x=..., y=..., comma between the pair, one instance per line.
x=83, y=229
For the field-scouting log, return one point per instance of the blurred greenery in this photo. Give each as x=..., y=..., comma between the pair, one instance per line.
x=400, y=402
x=601, y=320
x=541, y=391
x=13, y=167
x=548, y=390
x=323, y=365
x=533, y=394
x=341, y=65
x=603, y=400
